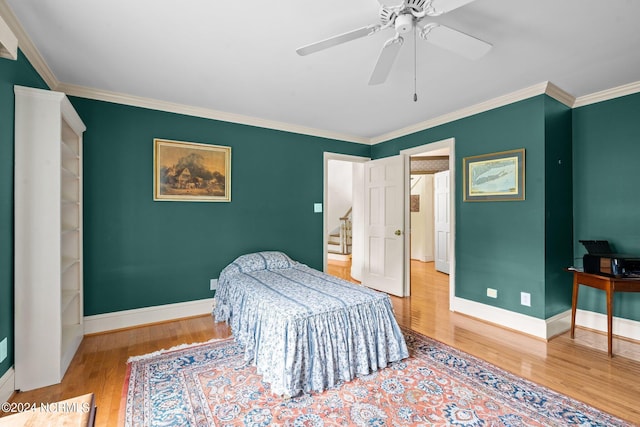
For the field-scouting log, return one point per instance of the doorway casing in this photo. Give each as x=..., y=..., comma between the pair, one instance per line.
x=447, y=144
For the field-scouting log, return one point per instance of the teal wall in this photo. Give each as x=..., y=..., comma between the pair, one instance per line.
x=558, y=207
x=139, y=252
x=503, y=245
x=12, y=73
x=606, y=157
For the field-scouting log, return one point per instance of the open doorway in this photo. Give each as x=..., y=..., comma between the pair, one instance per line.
x=428, y=206
x=343, y=201
x=430, y=211
x=440, y=148
x=422, y=237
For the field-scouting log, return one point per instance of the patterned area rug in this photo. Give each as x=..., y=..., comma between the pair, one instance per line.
x=209, y=385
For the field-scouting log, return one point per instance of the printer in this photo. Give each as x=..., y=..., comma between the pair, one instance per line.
x=599, y=259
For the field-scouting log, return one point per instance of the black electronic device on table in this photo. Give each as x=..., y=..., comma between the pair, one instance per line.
x=600, y=259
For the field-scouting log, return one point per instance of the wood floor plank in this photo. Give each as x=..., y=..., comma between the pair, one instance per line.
x=578, y=367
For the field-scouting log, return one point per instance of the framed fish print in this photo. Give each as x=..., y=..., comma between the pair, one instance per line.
x=494, y=177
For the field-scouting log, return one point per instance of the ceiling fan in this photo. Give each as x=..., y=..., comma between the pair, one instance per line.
x=404, y=18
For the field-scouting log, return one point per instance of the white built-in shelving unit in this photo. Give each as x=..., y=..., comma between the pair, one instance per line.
x=48, y=236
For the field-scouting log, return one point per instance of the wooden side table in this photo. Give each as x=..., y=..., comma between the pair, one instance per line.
x=77, y=412
x=610, y=285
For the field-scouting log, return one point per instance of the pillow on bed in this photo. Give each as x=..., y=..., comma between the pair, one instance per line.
x=269, y=260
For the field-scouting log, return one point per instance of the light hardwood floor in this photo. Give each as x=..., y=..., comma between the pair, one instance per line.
x=579, y=368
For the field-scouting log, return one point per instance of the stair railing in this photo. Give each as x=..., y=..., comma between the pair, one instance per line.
x=345, y=232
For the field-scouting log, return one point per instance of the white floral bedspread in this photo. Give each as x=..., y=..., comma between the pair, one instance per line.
x=305, y=330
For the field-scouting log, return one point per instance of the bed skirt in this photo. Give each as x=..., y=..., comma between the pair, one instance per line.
x=309, y=339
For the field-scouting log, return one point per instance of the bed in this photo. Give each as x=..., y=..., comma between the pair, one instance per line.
x=304, y=330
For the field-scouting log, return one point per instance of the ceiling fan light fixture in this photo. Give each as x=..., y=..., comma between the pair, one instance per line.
x=417, y=7
x=387, y=15
x=404, y=23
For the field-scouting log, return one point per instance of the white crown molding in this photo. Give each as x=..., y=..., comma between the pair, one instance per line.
x=154, y=104
x=27, y=46
x=38, y=62
x=120, y=98
x=519, y=95
x=547, y=88
x=36, y=59
x=605, y=95
x=465, y=112
x=560, y=95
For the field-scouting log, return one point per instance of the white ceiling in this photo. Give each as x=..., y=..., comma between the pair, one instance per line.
x=239, y=57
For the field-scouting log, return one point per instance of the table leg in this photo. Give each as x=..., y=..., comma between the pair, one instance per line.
x=574, y=303
x=610, y=320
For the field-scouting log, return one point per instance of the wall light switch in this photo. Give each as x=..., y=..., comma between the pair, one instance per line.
x=317, y=207
x=3, y=349
x=525, y=299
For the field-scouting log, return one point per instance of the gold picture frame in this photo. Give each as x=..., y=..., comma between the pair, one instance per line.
x=191, y=172
x=414, y=203
x=494, y=177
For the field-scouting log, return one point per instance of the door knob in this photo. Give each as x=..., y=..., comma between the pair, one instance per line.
x=398, y=232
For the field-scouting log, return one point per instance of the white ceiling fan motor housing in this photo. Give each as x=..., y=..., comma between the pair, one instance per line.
x=404, y=23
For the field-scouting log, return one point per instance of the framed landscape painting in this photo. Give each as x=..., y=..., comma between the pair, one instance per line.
x=189, y=171
x=494, y=177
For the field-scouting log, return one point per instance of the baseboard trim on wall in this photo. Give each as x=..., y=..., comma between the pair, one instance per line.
x=338, y=257
x=7, y=385
x=426, y=258
x=539, y=328
x=625, y=328
x=142, y=316
x=547, y=328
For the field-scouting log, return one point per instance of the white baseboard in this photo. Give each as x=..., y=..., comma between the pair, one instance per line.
x=339, y=257
x=558, y=324
x=141, y=316
x=7, y=384
x=597, y=321
x=424, y=258
x=540, y=328
x=546, y=328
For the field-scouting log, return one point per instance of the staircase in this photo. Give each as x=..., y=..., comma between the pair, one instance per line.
x=339, y=242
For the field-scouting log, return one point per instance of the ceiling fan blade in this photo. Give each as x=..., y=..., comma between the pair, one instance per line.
x=438, y=7
x=336, y=40
x=455, y=41
x=385, y=60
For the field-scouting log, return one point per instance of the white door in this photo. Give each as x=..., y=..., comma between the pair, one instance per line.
x=442, y=220
x=384, y=189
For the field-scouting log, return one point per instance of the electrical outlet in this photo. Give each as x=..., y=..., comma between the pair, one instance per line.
x=525, y=299
x=3, y=349
x=492, y=293
x=213, y=284
x=317, y=207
